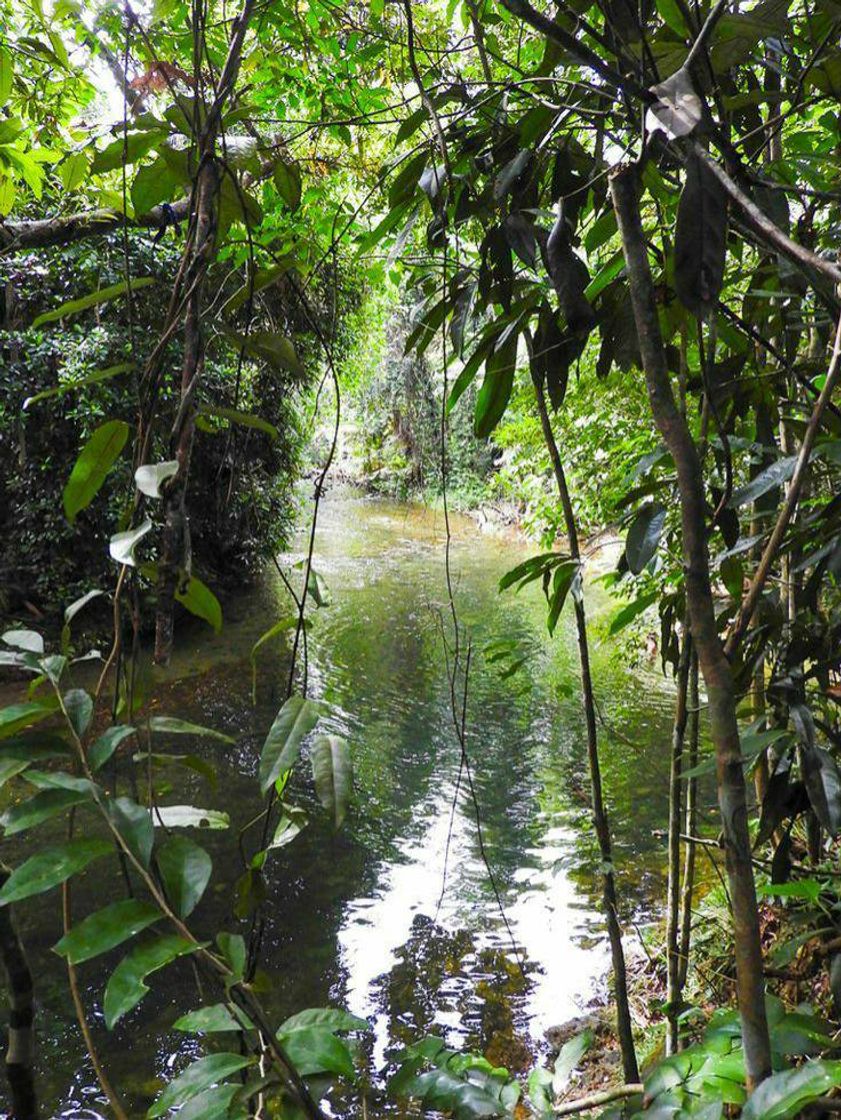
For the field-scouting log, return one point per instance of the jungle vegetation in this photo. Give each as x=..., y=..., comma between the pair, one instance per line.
x=582, y=256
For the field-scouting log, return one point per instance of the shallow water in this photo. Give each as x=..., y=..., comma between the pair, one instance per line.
x=396, y=917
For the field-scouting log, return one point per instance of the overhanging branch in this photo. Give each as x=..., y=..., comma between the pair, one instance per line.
x=42, y=233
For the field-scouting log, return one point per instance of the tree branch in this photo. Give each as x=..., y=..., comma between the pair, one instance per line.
x=595, y=1100
x=42, y=233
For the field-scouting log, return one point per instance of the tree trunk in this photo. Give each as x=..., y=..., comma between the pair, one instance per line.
x=675, y=825
x=19, y=1051
x=691, y=818
x=714, y=665
x=601, y=823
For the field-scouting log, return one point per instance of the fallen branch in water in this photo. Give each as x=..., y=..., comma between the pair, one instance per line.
x=594, y=1100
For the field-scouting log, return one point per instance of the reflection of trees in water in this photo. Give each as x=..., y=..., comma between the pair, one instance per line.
x=443, y=978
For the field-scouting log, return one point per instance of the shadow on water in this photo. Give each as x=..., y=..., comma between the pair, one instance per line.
x=366, y=918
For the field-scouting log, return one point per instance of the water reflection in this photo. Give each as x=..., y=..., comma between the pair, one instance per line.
x=359, y=918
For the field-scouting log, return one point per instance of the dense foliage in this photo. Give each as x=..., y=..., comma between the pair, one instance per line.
x=626, y=218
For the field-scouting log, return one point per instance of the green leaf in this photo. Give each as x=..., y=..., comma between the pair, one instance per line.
x=263, y=278
x=628, y=613
x=774, y=475
x=51, y=867
x=264, y=346
x=196, y=1078
x=185, y=870
x=232, y=948
x=287, y=180
x=6, y=75
x=74, y=170
x=158, y=182
x=782, y=1096
x=149, y=478
x=218, y=1103
x=102, y=295
x=91, y=468
x=71, y=612
x=107, y=743
x=15, y=717
x=134, y=824
x=122, y=545
x=44, y=805
x=329, y=1018
x=127, y=987
x=200, y=601
x=333, y=774
x=246, y=419
x=572, y=1051
x=492, y=398
x=79, y=707
x=295, y=719
x=71, y=386
x=288, y=827
x=135, y=145
x=105, y=929
x=316, y=1050
x=644, y=536
x=170, y=725
x=208, y=1020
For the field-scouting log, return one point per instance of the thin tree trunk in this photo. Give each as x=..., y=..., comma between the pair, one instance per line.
x=715, y=666
x=675, y=826
x=691, y=818
x=601, y=823
x=20, y=1047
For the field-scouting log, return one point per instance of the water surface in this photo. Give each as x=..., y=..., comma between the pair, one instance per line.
x=396, y=916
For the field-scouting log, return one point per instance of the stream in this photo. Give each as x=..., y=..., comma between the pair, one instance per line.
x=394, y=917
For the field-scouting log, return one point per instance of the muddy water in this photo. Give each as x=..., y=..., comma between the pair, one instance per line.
x=396, y=917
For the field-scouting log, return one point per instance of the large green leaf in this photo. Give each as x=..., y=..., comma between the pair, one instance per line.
x=72, y=386
x=185, y=869
x=134, y=824
x=190, y=816
x=15, y=717
x=268, y=346
x=127, y=986
x=333, y=773
x=44, y=805
x=196, y=1078
x=50, y=867
x=246, y=419
x=644, y=536
x=90, y=470
x=102, y=295
x=776, y=474
x=171, y=725
x=329, y=1018
x=200, y=601
x=216, y=1103
x=107, y=743
x=492, y=398
x=295, y=719
x=105, y=929
x=316, y=1050
x=208, y=1020
x=782, y=1096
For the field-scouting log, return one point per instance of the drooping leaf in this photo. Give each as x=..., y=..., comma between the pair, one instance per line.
x=122, y=545
x=16, y=717
x=333, y=774
x=105, y=929
x=185, y=869
x=171, y=725
x=492, y=398
x=295, y=719
x=678, y=109
x=134, y=824
x=28, y=640
x=628, y=613
x=197, y=1077
x=329, y=1018
x=50, y=867
x=103, y=295
x=644, y=536
x=700, y=239
x=572, y=1051
x=127, y=987
x=772, y=476
x=287, y=180
x=91, y=468
x=208, y=1020
x=200, y=601
x=72, y=386
x=149, y=478
x=267, y=346
x=71, y=612
x=79, y=707
x=246, y=419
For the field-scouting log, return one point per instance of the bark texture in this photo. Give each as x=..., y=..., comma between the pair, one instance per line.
x=715, y=667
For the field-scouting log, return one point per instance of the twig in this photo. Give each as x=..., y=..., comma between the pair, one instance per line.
x=595, y=1100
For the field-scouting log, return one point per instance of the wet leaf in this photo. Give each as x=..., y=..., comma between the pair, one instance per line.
x=294, y=721
x=127, y=985
x=644, y=536
x=51, y=867
x=333, y=774
x=105, y=929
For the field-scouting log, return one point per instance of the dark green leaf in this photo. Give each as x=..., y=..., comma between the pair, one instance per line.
x=127, y=987
x=295, y=720
x=644, y=536
x=700, y=239
x=333, y=774
x=103, y=295
x=51, y=867
x=185, y=869
x=106, y=928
